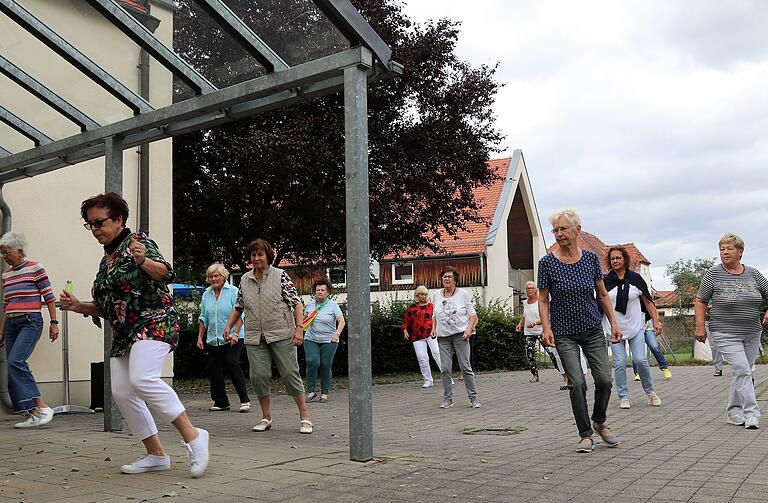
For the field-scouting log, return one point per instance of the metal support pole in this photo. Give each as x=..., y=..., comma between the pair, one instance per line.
x=66, y=408
x=358, y=263
x=113, y=182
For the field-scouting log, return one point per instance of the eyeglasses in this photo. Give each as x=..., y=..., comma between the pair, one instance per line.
x=448, y=276
x=561, y=229
x=96, y=224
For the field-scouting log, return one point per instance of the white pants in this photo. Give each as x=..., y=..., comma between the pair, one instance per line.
x=420, y=347
x=136, y=384
x=740, y=352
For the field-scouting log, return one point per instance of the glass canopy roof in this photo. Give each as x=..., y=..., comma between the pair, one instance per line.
x=72, y=70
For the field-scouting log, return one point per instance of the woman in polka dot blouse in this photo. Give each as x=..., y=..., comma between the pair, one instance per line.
x=570, y=286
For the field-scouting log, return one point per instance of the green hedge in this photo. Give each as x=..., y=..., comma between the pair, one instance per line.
x=498, y=345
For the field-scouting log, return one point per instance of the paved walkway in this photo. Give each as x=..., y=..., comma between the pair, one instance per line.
x=682, y=451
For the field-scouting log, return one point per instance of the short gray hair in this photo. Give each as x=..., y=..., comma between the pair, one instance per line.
x=15, y=241
x=571, y=215
x=219, y=268
x=532, y=283
x=420, y=289
x=732, y=238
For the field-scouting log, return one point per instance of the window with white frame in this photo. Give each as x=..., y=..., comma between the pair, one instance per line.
x=338, y=276
x=374, y=272
x=402, y=273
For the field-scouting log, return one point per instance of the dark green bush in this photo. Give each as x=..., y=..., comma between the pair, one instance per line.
x=498, y=345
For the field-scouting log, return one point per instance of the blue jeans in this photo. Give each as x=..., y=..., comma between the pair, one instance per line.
x=319, y=355
x=637, y=347
x=653, y=345
x=592, y=343
x=21, y=336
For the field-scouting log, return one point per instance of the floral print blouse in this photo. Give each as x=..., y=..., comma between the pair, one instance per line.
x=137, y=306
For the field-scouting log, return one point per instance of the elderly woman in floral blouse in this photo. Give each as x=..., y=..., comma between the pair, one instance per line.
x=130, y=291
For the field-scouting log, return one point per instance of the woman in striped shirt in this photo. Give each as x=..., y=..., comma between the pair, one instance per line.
x=24, y=283
x=736, y=292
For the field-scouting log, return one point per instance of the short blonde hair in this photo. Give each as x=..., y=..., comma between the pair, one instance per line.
x=532, y=283
x=219, y=268
x=733, y=239
x=420, y=289
x=571, y=215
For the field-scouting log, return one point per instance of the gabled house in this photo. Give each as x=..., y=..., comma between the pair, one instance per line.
x=638, y=262
x=494, y=257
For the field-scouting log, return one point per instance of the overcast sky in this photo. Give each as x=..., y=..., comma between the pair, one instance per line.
x=648, y=117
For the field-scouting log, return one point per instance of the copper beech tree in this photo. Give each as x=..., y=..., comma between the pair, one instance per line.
x=280, y=175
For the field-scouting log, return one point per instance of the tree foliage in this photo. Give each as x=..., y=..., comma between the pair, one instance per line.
x=686, y=275
x=280, y=174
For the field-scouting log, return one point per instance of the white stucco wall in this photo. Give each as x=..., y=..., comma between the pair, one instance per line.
x=46, y=208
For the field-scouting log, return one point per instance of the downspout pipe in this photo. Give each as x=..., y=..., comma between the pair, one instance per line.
x=482, y=278
x=5, y=397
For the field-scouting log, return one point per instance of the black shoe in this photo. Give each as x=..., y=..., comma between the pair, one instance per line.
x=718, y=373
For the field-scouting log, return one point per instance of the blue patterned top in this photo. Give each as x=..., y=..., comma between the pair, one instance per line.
x=572, y=299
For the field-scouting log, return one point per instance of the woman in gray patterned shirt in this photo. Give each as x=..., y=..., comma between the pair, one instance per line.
x=736, y=292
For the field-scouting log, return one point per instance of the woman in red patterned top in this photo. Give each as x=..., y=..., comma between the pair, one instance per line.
x=417, y=328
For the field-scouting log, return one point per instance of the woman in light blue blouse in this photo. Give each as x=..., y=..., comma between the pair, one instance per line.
x=323, y=324
x=215, y=306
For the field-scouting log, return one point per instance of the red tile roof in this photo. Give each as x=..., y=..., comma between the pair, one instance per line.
x=665, y=298
x=472, y=240
x=135, y=5
x=593, y=243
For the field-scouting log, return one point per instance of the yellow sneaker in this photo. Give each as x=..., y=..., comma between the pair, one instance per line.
x=637, y=377
x=667, y=373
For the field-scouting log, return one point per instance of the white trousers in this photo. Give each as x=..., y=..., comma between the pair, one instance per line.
x=740, y=352
x=420, y=347
x=136, y=384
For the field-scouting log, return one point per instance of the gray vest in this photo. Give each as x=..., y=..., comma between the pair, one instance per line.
x=266, y=312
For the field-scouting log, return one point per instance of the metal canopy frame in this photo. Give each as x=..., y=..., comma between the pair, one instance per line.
x=367, y=59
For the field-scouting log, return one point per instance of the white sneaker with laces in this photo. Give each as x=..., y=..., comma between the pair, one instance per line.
x=46, y=415
x=624, y=403
x=197, y=452
x=751, y=423
x=735, y=419
x=427, y=384
x=31, y=421
x=149, y=463
x=654, y=400
x=474, y=403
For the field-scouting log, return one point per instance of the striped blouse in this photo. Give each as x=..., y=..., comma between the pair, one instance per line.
x=24, y=285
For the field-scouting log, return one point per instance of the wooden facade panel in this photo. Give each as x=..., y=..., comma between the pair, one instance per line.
x=519, y=235
x=427, y=272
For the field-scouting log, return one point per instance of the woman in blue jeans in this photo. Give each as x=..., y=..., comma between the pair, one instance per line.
x=323, y=324
x=24, y=284
x=628, y=292
x=653, y=345
x=570, y=286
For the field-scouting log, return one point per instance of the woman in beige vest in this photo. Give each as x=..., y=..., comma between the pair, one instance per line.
x=273, y=330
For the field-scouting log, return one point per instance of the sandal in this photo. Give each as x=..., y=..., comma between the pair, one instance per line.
x=580, y=447
x=563, y=387
x=305, y=426
x=264, y=425
x=718, y=373
x=533, y=379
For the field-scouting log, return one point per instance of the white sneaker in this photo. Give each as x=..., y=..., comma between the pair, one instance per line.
x=197, y=452
x=32, y=421
x=654, y=400
x=427, y=384
x=735, y=419
x=624, y=403
x=751, y=423
x=149, y=463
